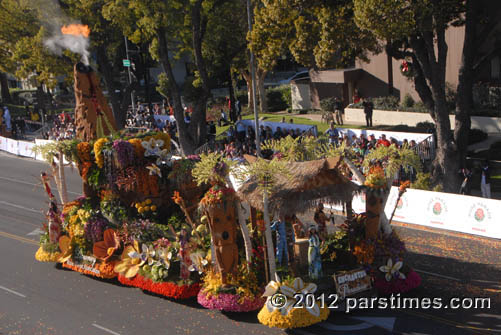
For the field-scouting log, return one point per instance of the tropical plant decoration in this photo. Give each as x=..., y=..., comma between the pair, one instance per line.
x=212, y=169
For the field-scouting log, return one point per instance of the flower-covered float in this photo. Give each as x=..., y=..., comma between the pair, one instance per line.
x=131, y=223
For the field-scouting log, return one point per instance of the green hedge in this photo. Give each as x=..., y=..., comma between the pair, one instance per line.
x=279, y=98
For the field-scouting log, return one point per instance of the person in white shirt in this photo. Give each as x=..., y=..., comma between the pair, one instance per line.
x=7, y=118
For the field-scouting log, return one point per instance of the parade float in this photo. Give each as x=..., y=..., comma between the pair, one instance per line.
x=184, y=227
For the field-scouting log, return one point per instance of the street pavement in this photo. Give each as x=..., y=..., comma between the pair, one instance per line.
x=38, y=298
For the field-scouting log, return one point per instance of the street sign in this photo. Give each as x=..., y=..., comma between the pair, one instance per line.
x=126, y=62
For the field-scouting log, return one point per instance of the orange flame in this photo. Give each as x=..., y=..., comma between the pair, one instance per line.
x=76, y=29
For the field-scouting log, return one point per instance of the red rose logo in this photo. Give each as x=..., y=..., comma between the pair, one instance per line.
x=479, y=215
x=437, y=208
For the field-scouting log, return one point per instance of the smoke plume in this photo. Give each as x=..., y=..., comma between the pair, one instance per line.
x=77, y=44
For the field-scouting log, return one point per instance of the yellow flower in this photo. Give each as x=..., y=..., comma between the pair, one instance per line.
x=98, y=151
x=130, y=261
x=146, y=208
x=148, y=201
x=73, y=219
x=66, y=247
x=44, y=256
x=140, y=210
x=83, y=215
x=153, y=208
x=137, y=205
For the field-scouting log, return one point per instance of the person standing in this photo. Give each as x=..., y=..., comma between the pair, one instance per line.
x=485, y=180
x=333, y=135
x=368, y=110
x=321, y=220
x=7, y=118
x=465, y=185
x=338, y=105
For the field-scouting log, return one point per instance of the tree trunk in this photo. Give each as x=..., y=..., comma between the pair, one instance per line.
x=245, y=234
x=433, y=64
x=248, y=81
x=464, y=98
x=4, y=84
x=106, y=70
x=186, y=142
x=263, y=104
x=270, y=250
x=233, y=113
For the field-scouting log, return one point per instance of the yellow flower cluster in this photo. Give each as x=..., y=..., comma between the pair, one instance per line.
x=73, y=219
x=83, y=215
x=98, y=151
x=246, y=283
x=145, y=206
x=160, y=136
x=44, y=256
x=296, y=318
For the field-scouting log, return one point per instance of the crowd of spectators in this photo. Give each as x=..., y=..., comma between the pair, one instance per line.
x=63, y=128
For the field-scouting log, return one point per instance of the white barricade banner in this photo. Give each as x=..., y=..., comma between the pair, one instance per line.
x=3, y=143
x=464, y=214
x=283, y=126
x=12, y=146
x=25, y=149
x=399, y=136
x=164, y=118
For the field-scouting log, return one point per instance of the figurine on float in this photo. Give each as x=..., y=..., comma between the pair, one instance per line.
x=314, y=257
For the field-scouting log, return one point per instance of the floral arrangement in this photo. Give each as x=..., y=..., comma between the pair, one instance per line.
x=167, y=289
x=45, y=256
x=290, y=316
x=244, y=294
x=407, y=69
x=364, y=252
x=217, y=194
x=376, y=178
x=100, y=270
x=138, y=148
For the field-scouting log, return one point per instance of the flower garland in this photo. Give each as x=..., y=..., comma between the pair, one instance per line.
x=217, y=194
x=364, y=252
x=44, y=256
x=100, y=270
x=167, y=289
x=98, y=151
x=230, y=302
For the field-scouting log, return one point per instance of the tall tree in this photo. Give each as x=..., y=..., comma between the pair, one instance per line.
x=417, y=30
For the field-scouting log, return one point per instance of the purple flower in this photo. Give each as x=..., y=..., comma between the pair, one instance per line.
x=94, y=229
x=124, y=151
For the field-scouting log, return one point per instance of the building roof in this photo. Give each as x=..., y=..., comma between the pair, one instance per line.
x=337, y=76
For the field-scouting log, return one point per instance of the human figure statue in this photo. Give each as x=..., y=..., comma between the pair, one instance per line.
x=93, y=115
x=279, y=227
x=314, y=257
x=184, y=254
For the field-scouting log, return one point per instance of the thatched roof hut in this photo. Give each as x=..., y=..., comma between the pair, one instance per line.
x=309, y=183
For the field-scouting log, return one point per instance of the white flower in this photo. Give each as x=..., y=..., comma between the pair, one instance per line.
x=391, y=269
x=164, y=257
x=148, y=254
x=198, y=262
x=152, y=147
x=154, y=170
x=298, y=287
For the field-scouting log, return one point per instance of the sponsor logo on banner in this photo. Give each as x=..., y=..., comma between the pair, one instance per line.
x=437, y=208
x=479, y=215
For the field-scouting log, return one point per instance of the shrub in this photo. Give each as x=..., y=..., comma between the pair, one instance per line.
x=279, y=98
x=390, y=103
x=426, y=126
x=243, y=97
x=328, y=104
x=423, y=182
x=407, y=101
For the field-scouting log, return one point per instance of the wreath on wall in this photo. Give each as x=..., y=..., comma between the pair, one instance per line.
x=407, y=69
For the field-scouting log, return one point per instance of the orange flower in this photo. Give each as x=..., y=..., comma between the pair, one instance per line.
x=404, y=185
x=106, y=248
x=177, y=198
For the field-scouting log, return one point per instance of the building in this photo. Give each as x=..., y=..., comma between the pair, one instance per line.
x=382, y=75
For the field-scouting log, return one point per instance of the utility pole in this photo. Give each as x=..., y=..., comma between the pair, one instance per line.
x=130, y=76
x=253, y=76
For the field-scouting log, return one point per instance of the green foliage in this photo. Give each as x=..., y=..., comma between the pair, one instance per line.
x=265, y=172
x=334, y=244
x=407, y=101
x=392, y=159
x=51, y=150
x=279, y=98
x=423, y=182
x=212, y=168
x=328, y=104
x=389, y=102
x=294, y=150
